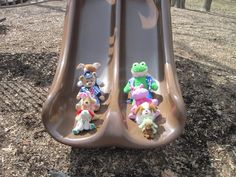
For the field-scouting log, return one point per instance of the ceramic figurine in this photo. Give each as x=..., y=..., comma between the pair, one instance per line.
x=89, y=82
x=83, y=119
x=140, y=95
x=149, y=128
x=141, y=76
x=84, y=113
x=146, y=110
x=87, y=102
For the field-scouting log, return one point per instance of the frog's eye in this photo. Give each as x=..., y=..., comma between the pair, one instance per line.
x=135, y=64
x=143, y=63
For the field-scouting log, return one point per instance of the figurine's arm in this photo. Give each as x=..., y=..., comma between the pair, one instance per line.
x=127, y=88
x=99, y=82
x=78, y=97
x=154, y=85
x=141, y=125
x=78, y=105
x=82, y=90
x=155, y=125
x=98, y=93
x=79, y=84
x=80, y=125
x=154, y=128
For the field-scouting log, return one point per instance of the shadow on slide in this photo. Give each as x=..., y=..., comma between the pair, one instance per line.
x=116, y=34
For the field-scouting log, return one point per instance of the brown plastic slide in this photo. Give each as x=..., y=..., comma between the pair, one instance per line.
x=115, y=33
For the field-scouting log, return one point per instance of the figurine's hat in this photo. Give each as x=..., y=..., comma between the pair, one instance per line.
x=88, y=74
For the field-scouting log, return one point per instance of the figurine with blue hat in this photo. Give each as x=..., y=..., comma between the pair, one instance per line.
x=89, y=82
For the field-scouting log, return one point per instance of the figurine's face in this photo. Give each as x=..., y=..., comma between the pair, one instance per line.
x=88, y=82
x=148, y=126
x=88, y=103
x=148, y=121
x=139, y=69
x=146, y=112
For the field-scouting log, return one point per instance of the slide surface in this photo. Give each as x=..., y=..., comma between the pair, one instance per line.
x=115, y=33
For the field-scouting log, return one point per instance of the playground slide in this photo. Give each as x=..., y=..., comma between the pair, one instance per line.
x=115, y=33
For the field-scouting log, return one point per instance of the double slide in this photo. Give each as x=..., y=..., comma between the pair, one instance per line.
x=115, y=33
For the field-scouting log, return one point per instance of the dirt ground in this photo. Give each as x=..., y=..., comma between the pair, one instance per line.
x=205, y=53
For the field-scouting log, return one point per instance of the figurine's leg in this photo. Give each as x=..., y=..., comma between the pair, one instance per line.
x=139, y=120
x=155, y=102
x=131, y=116
x=75, y=131
x=133, y=108
x=141, y=126
x=78, y=128
x=92, y=126
x=131, y=100
x=87, y=126
x=156, y=114
x=149, y=95
x=155, y=125
x=97, y=106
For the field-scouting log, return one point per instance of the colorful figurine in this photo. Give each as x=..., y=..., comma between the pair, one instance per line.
x=141, y=76
x=87, y=102
x=89, y=82
x=149, y=128
x=146, y=110
x=83, y=119
x=140, y=95
x=91, y=68
x=84, y=113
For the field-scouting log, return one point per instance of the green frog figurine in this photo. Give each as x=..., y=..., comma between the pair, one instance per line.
x=141, y=76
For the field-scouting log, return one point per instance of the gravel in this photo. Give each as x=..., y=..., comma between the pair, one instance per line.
x=205, y=56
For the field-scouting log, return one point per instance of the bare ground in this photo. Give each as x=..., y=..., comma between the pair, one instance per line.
x=206, y=64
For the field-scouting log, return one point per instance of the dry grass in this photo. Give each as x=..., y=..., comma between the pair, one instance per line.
x=205, y=59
